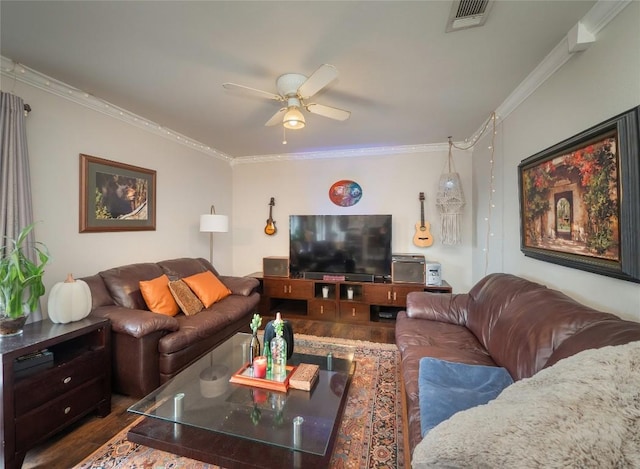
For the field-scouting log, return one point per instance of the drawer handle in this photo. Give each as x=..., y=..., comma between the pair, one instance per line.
x=395, y=296
x=321, y=309
x=353, y=312
x=285, y=288
x=67, y=410
x=389, y=295
x=67, y=380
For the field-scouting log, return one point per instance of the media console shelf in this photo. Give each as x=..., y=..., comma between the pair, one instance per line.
x=367, y=301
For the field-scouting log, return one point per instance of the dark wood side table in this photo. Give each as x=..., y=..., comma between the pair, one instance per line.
x=39, y=396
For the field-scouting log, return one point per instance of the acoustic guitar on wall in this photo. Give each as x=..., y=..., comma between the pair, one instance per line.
x=422, y=238
x=271, y=229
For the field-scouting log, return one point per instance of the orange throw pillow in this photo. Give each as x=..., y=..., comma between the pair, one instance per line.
x=207, y=287
x=158, y=297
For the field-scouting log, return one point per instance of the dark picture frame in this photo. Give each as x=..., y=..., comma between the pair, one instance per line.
x=580, y=200
x=116, y=196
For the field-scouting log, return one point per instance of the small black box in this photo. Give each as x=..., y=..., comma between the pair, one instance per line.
x=275, y=266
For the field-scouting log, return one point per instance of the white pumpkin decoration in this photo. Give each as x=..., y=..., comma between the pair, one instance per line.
x=69, y=301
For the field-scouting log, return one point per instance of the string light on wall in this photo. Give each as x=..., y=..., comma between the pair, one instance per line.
x=491, y=121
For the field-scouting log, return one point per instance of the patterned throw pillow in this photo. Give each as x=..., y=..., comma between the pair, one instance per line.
x=207, y=287
x=186, y=299
x=157, y=296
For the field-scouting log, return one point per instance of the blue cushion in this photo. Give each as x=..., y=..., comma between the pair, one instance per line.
x=447, y=387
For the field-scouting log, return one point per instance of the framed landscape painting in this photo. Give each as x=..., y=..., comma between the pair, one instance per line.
x=116, y=196
x=580, y=200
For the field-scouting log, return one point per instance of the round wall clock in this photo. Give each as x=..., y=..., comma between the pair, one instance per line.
x=345, y=193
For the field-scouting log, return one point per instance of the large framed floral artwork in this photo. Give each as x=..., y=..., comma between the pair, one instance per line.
x=580, y=200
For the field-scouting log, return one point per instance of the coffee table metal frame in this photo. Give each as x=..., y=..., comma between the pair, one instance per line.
x=201, y=415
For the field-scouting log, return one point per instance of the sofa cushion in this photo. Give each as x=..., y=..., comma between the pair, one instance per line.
x=490, y=297
x=207, y=322
x=189, y=303
x=446, y=388
x=123, y=283
x=184, y=267
x=158, y=297
x=583, y=411
x=207, y=287
x=534, y=325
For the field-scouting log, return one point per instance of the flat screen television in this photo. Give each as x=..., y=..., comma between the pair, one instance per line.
x=340, y=245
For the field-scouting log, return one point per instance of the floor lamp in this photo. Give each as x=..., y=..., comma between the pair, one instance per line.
x=212, y=223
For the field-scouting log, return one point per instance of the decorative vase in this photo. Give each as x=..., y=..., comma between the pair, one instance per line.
x=254, y=347
x=287, y=333
x=11, y=326
x=278, y=358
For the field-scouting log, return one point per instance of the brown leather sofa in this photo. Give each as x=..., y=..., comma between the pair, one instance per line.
x=503, y=321
x=150, y=348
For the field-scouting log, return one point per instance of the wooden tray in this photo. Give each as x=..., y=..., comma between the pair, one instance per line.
x=243, y=376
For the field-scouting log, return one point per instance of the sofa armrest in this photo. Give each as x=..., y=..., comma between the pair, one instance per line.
x=136, y=322
x=240, y=285
x=443, y=307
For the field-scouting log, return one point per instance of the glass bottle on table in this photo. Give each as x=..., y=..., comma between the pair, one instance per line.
x=267, y=353
x=278, y=351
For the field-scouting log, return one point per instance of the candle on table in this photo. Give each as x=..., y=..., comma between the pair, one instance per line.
x=260, y=367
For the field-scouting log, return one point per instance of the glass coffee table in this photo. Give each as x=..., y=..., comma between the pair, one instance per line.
x=200, y=414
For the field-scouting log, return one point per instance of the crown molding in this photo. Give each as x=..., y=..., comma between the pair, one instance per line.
x=16, y=71
x=595, y=20
x=346, y=153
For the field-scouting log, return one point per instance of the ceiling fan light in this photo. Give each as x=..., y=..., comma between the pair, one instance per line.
x=293, y=119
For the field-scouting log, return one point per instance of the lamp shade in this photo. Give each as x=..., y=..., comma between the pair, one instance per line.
x=293, y=119
x=212, y=223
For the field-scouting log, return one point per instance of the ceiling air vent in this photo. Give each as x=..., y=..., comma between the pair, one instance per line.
x=468, y=14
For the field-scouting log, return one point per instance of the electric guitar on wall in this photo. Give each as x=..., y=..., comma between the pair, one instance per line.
x=422, y=238
x=271, y=229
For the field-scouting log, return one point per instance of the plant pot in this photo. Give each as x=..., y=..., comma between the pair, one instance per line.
x=11, y=326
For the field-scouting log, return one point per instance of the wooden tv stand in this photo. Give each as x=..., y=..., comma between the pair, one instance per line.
x=372, y=302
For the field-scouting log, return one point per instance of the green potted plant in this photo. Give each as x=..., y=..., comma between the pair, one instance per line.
x=21, y=283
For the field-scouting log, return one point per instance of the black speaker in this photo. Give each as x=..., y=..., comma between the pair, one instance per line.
x=408, y=269
x=275, y=266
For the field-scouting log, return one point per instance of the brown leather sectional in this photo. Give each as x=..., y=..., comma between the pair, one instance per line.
x=150, y=348
x=503, y=321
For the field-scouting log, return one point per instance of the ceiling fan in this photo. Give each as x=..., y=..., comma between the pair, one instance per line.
x=295, y=90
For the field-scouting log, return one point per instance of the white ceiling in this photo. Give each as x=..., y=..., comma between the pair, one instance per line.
x=404, y=79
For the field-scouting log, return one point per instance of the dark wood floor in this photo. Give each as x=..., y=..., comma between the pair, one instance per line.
x=71, y=446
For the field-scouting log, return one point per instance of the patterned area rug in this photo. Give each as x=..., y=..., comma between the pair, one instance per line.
x=370, y=434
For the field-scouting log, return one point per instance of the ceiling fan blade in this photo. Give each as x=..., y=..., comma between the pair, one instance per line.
x=324, y=75
x=276, y=118
x=328, y=111
x=253, y=91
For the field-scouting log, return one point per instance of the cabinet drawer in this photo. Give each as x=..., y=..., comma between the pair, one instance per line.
x=351, y=311
x=57, y=413
x=322, y=309
x=377, y=294
x=44, y=387
x=400, y=293
x=301, y=289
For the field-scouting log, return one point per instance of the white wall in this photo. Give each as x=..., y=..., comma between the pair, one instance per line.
x=591, y=87
x=391, y=185
x=188, y=182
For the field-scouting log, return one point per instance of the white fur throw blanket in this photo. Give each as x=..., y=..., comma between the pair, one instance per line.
x=583, y=412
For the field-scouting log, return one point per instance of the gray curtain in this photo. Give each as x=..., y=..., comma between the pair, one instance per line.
x=15, y=182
